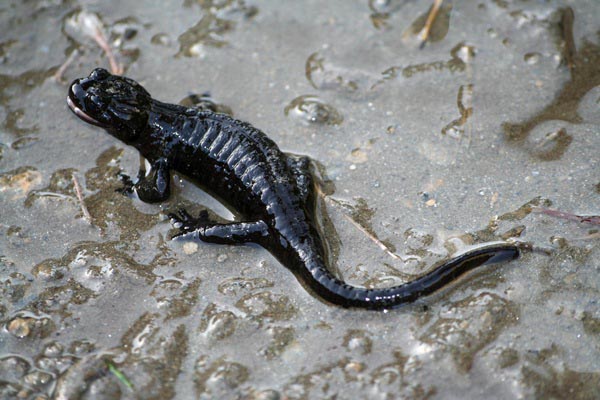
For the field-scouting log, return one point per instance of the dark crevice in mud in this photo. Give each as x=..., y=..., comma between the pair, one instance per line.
x=546, y=376
x=465, y=108
x=107, y=206
x=584, y=68
x=455, y=64
x=466, y=326
x=17, y=86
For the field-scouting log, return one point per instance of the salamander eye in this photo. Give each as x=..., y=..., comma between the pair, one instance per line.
x=99, y=74
x=97, y=101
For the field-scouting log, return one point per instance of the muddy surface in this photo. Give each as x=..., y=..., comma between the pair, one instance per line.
x=488, y=130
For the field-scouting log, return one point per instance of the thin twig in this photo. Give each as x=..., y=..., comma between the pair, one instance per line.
x=120, y=375
x=584, y=219
x=115, y=67
x=553, y=136
x=58, y=75
x=591, y=236
x=84, y=210
x=429, y=22
x=368, y=234
x=378, y=242
x=53, y=194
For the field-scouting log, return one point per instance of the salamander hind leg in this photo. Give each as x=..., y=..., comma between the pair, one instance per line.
x=230, y=233
x=300, y=167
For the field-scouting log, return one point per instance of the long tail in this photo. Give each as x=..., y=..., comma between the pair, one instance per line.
x=318, y=277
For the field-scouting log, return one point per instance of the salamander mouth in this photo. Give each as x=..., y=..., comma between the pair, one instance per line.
x=78, y=111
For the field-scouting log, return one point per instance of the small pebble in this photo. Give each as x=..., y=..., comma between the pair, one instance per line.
x=19, y=327
x=190, y=247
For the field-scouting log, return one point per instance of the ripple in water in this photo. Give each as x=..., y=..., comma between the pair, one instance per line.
x=311, y=110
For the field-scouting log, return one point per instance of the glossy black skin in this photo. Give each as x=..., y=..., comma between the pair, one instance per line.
x=244, y=168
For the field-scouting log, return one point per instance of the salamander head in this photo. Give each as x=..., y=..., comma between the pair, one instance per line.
x=117, y=104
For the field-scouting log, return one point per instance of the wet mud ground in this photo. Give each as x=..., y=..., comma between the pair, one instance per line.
x=489, y=131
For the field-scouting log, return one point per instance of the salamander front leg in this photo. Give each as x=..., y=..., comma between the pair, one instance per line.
x=154, y=186
x=230, y=233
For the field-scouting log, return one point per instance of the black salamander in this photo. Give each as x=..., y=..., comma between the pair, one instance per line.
x=238, y=163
